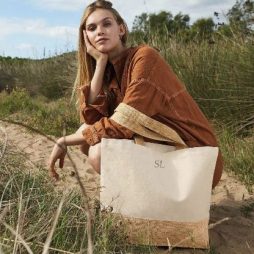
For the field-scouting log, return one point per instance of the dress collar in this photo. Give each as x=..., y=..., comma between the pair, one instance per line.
x=119, y=63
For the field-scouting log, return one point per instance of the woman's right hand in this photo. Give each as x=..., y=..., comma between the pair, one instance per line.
x=58, y=153
x=92, y=51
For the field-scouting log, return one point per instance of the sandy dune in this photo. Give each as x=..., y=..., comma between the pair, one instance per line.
x=230, y=231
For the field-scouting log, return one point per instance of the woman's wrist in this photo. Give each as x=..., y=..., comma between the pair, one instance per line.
x=61, y=143
x=102, y=61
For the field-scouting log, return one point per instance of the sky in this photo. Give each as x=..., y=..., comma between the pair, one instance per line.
x=43, y=28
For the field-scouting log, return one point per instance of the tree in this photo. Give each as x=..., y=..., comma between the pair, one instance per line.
x=141, y=23
x=180, y=22
x=161, y=22
x=203, y=28
x=241, y=16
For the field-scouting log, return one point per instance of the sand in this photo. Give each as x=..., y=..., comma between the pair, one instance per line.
x=230, y=231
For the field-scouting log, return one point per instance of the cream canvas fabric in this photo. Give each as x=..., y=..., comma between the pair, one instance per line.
x=142, y=182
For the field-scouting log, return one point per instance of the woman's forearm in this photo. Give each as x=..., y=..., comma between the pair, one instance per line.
x=72, y=140
x=97, y=80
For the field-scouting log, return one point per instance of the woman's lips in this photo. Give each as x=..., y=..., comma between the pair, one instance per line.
x=101, y=40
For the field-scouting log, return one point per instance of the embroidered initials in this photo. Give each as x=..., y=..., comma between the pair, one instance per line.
x=158, y=164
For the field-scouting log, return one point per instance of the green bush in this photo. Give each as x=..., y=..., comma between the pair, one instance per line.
x=50, y=117
x=238, y=155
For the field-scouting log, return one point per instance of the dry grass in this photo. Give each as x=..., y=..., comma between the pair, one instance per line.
x=219, y=76
x=34, y=218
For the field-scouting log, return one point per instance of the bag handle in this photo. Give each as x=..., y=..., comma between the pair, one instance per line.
x=139, y=140
x=145, y=126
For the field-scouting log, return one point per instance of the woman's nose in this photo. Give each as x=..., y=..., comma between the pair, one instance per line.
x=100, y=30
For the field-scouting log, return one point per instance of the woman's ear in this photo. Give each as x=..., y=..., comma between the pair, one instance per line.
x=122, y=30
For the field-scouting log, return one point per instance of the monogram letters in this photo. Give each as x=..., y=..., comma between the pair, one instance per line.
x=158, y=164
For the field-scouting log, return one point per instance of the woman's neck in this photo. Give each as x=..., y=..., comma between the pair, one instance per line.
x=116, y=53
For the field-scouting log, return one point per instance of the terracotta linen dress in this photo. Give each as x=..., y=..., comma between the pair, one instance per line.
x=145, y=81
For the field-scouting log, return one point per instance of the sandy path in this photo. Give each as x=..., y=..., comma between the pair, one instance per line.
x=235, y=234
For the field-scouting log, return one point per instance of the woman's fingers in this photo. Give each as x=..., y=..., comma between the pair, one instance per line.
x=89, y=46
x=85, y=37
x=92, y=51
x=54, y=174
x=59, y=151
x=52, y=170
x=61, y=161
x=87, y=42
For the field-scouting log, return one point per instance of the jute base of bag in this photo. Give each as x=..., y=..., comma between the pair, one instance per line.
x=165, y=233
x=160, y=193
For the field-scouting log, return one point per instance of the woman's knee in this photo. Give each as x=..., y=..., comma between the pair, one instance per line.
x=94, y=157
x=82, y=127
x=85, y=147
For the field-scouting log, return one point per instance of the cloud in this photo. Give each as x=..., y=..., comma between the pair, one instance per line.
x=14, y=26
x=61, y=5
x=195, y=8
x=129, y=9
x=25, y=46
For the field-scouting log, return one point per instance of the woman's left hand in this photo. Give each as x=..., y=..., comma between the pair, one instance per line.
x=59, y=151
x=92, y=51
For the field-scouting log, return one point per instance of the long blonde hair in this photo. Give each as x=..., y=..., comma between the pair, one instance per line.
x=86, y=63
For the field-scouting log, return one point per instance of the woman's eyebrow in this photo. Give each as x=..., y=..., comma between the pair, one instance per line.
x=99, y=21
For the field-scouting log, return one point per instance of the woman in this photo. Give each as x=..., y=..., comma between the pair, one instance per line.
x=110, y=73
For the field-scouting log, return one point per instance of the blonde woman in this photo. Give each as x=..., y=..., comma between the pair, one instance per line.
x=109, y=73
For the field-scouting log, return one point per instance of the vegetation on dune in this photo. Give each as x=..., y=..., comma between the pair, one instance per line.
x=51, y=78
x=49, y=117
x=28, y=205
x=214, y=61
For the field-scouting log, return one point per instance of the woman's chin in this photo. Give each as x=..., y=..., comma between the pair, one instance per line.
x=103, y=49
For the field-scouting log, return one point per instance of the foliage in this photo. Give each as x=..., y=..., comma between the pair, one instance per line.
x=39, y=113
x=163, y=22
x=241, y=16
x=238, y=155
x=32, y=202
x=240, y=20
x=203, y=28
x=52, y=78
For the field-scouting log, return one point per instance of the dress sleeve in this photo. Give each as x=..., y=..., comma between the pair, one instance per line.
x=141, y=93
x=92, y=113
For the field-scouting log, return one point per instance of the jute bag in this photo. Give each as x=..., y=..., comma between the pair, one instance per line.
x=161, y=193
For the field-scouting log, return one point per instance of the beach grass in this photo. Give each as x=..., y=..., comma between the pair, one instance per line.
x=219, y=76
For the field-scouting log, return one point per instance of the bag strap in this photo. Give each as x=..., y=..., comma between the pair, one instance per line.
x=145, y=126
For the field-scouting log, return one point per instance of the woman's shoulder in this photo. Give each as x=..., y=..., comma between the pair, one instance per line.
x=145, y=50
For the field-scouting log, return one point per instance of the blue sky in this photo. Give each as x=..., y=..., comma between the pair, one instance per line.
x=37, y=28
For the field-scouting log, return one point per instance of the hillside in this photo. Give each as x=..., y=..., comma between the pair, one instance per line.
x=51, y=77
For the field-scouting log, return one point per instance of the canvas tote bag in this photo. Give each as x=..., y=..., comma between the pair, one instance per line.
x=161, y=193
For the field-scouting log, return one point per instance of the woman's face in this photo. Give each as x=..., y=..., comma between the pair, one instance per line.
x=103, y=31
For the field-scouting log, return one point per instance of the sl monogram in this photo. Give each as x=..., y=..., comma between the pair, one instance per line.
x=158, y=164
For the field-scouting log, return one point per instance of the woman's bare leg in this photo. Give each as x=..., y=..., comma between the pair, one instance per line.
x=94, y=157
x=93, y=152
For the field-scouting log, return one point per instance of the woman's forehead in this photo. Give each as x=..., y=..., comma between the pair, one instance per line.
x=98, y=16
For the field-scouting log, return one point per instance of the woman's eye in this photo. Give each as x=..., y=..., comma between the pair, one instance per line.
x=91, y=28
x=107, y=24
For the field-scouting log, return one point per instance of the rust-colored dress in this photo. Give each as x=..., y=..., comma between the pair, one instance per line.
x=145, y=81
